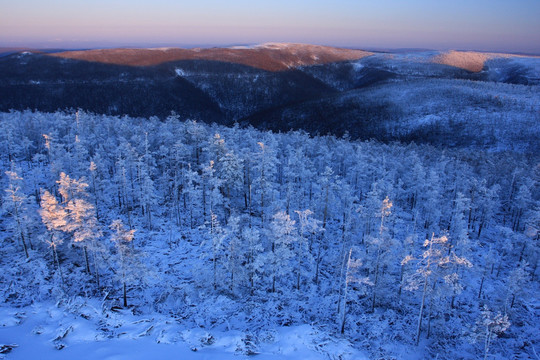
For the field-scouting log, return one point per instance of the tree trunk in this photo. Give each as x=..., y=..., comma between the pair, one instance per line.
x=125, y=295
x=215, y=271
x=298, y=272
x=487, y=343
x=318, y=262
x=19, y=226
x=96, y=267
x=344, y=307
x=87, y=264
x=376, y=280
x=401, y=281
x=325, y=211
x=343, y=263
x=482, y=224
x=481, y=285
x=429, y=319
x=421, y=311
x=57, y=261
x=522, y=252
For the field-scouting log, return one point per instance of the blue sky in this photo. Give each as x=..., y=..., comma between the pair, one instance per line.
x=511, y=25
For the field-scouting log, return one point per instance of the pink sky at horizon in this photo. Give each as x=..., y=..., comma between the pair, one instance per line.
x=491, y=25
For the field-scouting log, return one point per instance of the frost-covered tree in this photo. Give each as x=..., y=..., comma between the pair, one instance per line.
x=521, y=203
x=231, y=174
x=308, y=227
x=125, y=175
x=382, y=243
x=78, y=158
x=489, y=263
x=254, y=255
x=16, y=205
x=297, y=174
x=55, y=218
x=128, y=263
x=147, y=192
x=352, y=276
x=81, y=219
x=515, y=282
x=86, y=231
x=94, y=181
x=326, y=185
x=236, y=252
x=489, y=327
x=532, y=232
x=283, y=235
x=192, y=194
x=265, y=168
x=217, y=237
x=458, y=229
x=488, y=204
x=211, y=195
x=429, y=201
x=195, y=136
x=432, y=266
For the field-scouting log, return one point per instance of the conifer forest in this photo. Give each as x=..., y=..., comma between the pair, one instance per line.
x=174, y=230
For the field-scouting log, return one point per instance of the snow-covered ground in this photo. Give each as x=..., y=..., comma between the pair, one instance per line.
x=51, y=331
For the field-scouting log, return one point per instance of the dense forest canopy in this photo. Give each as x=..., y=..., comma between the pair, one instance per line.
x=392, y=243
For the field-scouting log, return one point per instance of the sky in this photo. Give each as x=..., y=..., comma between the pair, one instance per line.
x=490, y=25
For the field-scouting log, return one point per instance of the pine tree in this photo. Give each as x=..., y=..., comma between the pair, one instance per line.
x=147, y=198
x=352, y=275
x=122, y=238
x=297, y=174
x=282, y=237
x=458, y=224
x=16, y=204
x=254, y=255
x=81, y=219
x=55, y=218
x=431, y=268
x=236, y=252
x=308, y=227
x=193, y=194
x=232, y=174
x=490, y=326
x=147, y=192
x=382, y=243
x=265, y=168
x=85, y=228
x=217, y=237
x=93, y=169
x=515, y=282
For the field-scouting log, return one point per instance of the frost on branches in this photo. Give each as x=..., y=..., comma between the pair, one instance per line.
x=233, y=228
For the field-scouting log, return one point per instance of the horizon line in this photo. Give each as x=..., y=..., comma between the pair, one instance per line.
x=44, y=46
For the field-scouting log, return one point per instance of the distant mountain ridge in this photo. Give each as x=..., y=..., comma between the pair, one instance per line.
x=267, y=56
x=270, y=56
x=424, y=96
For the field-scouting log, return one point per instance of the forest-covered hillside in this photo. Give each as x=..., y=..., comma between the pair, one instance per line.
x=181, y=232
x=427, y=97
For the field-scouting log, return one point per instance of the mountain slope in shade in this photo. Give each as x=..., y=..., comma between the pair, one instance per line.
x=270, y=57
x=421, y=96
